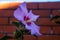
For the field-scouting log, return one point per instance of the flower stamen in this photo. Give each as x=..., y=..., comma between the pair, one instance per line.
x=26, y=19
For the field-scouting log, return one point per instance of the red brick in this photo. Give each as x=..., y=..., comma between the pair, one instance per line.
x=43, y=21
x=56, y=29
x=3, y=21
x=42, y=13
x=56, y=12
x=29, y=37
x=49, y=5
x=13, y=19
x=1, y=35
x=53, y=22
x=32, y=5
x=12, y=39
x=58, y=19
x=45, y=29
x=1, y=28
x=16, y=6
x=49, y=38
x=6, y=12
x=9, y=29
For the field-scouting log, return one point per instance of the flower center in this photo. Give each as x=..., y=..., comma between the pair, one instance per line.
x=26, y=19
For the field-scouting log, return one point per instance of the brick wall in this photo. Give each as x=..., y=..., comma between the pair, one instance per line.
x=50, y=30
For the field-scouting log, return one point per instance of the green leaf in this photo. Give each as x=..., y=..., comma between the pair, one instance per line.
x=25, y=31
x=17, y=24
x=17, y=34
x=5, y=37
x=55, y=17
x=57, y=22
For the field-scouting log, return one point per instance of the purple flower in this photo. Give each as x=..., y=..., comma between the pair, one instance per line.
x=27, y=18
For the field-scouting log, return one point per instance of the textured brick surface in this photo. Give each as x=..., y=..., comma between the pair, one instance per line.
x=45, y=29
x=1, y=28
x=13, y=19
x=5, y=12
x=56, y=12
x=56, y=29
x=32, y=5
x=9, y=29
x=3, y=21
x=1, y=35
x=42, y=13
x=29, y=37
x=44, y=9
x=53, y=22
x=49, y=5
x=43, y=21
x=49, y=38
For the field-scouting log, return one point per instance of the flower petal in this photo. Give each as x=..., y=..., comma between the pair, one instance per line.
x=35, y=30
x=18, y=14
x=23, y=8
x=33, y=16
